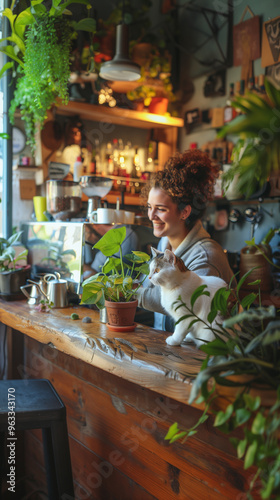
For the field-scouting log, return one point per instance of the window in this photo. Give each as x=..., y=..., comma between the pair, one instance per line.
x=1, y=118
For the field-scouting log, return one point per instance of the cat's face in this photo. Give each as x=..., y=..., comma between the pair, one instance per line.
x=164, y=268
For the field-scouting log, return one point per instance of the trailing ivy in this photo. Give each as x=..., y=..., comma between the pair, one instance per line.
x=39, y=47
x=46, y=71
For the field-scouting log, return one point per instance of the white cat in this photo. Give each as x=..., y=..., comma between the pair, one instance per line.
x=170, y=273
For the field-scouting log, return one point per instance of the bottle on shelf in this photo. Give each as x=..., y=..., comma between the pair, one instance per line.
x=92, y=165
x=150, y=159
x=115, y=157
x=122, y=165
x=136, y=169
x=78, y=169
x=97, y=157
x=109, y=165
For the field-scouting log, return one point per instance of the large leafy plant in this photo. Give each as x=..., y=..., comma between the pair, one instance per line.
x=120, y=277
x=8, y=257
x=39, y=48
x=256, y=155
x=244, y=356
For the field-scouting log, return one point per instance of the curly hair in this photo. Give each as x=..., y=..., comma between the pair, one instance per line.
x=188, y=178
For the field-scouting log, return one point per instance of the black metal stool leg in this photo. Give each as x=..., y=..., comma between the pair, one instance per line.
x=62, y=459
x=50, y=465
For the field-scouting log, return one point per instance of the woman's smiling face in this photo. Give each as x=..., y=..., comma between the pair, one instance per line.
x=166, y=217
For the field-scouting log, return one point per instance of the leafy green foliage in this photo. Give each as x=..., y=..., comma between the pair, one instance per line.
x=245, y=356
x=120, y=277
x=8, y=253
x=40, y=46
x=256, y=154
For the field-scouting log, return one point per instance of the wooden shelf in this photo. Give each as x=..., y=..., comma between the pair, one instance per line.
x=119, y=116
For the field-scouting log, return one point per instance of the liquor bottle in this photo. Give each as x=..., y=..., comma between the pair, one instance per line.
x=97, y=157
x=78, y=169
x=122, y=165
x=109, y=159
x=115, y=157
x=92, y=165
x=150, y=160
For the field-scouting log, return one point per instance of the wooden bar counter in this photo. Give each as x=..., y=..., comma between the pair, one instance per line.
x=122, y=392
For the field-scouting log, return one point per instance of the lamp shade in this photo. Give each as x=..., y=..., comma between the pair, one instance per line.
x=121, y=67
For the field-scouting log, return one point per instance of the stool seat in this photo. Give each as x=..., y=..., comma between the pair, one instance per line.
x=37, y=405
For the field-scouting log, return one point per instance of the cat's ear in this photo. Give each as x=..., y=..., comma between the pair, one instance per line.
x=170, y=256
x=155, y=252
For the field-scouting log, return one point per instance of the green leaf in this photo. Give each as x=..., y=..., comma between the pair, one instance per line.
x=248, y=300
x=241, y=416
x=253, y=403
x=268, y=490
x=88, y=24
x=178, y=436
x=241, y=448
x=141, y=256
x=243, y=278
x=110, y=264
x=223, y=417
x=258, y=425
x=173, y=429
x=197, y=293
x=111, y=242
x=215, y=348
x=250, y=455
x=6, y=66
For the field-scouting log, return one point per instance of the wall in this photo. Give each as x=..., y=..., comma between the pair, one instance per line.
x=233, y=237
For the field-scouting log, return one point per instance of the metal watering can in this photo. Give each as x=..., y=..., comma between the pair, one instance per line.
x=51, y=287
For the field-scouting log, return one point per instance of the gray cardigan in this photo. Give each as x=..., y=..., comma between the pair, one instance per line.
x=200, y=254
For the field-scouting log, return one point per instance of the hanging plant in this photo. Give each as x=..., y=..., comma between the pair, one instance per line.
x=40, y=49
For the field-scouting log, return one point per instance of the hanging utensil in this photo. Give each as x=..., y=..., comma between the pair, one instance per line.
x=234, y=216
x=251, y=214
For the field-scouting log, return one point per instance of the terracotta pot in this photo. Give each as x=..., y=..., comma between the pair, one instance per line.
x=121, y=313
x=158, y=105
x=263, y=272
x=138, y=105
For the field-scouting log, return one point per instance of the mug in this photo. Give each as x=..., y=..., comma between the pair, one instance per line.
x=40, y=206
x=124, y=217
x=103, y=216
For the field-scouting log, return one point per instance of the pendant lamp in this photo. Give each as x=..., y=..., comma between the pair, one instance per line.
x=121, y=67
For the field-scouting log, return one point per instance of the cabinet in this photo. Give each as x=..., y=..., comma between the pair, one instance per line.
x=165, y=130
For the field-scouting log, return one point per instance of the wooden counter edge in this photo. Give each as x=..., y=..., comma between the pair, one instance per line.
x=142, y=357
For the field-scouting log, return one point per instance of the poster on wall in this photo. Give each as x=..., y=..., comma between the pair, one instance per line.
x=271, y=42
x=246, y=45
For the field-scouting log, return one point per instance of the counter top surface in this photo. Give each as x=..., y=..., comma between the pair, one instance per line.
x=141, y=357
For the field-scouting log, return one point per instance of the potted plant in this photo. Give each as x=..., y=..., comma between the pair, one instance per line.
x=155, y=83
x=39, y=48
x=239, y=384
x=12, y=275
x=115, y=286
x=258, y=127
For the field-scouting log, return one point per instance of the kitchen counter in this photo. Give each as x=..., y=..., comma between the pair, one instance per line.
x=122, y=392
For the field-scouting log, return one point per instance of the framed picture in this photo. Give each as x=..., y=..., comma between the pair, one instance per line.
x=274, y=72
x=271, y=42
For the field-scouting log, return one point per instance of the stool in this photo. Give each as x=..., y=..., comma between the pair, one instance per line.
x=38, y=406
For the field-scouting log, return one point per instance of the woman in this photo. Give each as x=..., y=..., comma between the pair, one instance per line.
x=176, y=200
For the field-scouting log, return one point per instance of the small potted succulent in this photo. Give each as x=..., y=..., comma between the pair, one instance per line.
x=115, y=286
x=12, y=275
